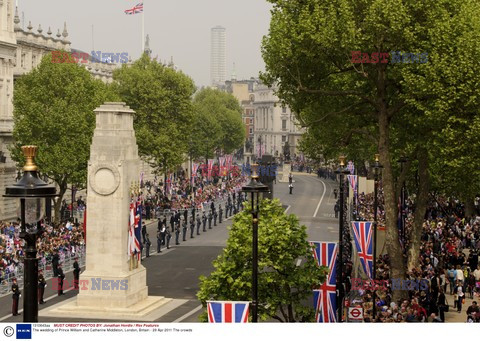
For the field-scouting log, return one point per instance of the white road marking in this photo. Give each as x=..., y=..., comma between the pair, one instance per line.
x=191, y=312
x=299, y=262
x=321, y=199
x=287, y=208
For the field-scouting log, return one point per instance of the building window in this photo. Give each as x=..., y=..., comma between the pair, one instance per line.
x=251, y=130
x=284, y=110
x=284, y=138
x=23, y=60
x=284, y=124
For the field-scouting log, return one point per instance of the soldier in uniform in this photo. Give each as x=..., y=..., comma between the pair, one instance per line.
x=177, y=233
x=204, y=220
x=192, y=226
x=148, y=243
x=220, y=213
x=15, y=297
x=160, y=224
x=210, y=219
x=169, y=236
x=159, y=241
x=76, y=273
x=42, y=283
x=185, y=214
x=184, y=229
x=215, y=214
x=144, y=231
x=61, y=277
x=199, y=223
x=165, y=221
x=55, y=260
x=229, y=206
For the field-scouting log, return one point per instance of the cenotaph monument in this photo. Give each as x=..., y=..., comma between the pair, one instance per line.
x=112, y=285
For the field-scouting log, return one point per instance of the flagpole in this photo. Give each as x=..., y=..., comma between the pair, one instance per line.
x=143, y=29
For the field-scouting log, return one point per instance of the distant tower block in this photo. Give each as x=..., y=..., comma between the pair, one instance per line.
x=218, y=56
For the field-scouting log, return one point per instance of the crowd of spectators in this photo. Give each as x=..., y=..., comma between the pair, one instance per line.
x=448, y=262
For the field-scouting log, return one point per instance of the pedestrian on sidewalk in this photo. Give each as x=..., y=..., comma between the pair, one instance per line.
x=461, y=298
x=442, y=304
x=42, y=283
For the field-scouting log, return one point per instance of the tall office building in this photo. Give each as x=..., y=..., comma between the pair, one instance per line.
x=218, y=57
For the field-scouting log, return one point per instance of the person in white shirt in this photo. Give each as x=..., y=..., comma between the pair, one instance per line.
x=460, y=276
x=476, y=273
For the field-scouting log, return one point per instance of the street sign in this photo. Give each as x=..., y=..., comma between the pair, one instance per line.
x=355, y=313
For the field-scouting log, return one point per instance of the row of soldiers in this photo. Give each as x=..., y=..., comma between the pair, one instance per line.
x=164, y=234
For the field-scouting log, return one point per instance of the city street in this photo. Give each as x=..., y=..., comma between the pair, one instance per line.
x=174, y=273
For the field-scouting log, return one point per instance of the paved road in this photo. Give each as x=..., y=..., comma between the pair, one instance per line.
x=174, y=273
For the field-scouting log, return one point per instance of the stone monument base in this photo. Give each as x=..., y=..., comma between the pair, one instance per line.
x=149, y=310
x=287, y=169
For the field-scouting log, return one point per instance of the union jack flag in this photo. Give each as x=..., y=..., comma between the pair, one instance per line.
x=352, y=180
x=137, y=9
x=362, y=233
x=210, y=167
x=134, y=246
x=325, y=297
x=194, y=171
x=227, y=311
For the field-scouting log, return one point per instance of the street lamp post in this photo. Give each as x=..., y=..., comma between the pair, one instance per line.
x=376, y=168
x=342, y=171
x=255, y=187
x=402, y=160
x=30, y=189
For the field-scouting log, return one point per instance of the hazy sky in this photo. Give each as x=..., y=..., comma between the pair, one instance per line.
x=178, y=28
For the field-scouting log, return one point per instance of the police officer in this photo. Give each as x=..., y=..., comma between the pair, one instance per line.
x=177, y=233
x=42, y=283
x=55, y=260
x=215, y=217
x=159, y=241
x=15, y=297
x=144, y=231
x=184, y=229
x=220, y=213
x=290, y=187
x=160, y=224
x=192, y=226
x=210, y=219
x=204, y=220
x=199, y=223
x=185, y=214
x=61, y=277
x=76, y=273
x=148, y=243
x=169, y=236
x=212, y=205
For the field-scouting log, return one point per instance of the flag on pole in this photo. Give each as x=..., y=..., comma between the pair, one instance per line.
x=227, y=311
x=138, y=228
x=210, y=167
x=194, y=171
x=137, y=9
x=133, y=242
x=325, y=297
x=221, y=161
x=362, y=233
x=352, y=180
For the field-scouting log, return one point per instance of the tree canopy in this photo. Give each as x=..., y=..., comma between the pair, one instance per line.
x=390, y=107
x=53, y=109
x=284, y=288
x=161, y=98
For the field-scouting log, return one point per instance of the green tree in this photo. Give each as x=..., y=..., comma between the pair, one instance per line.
x=226, y=110
x=283, y=287
x=308, y=54
x=53, y=109
x=161, y=98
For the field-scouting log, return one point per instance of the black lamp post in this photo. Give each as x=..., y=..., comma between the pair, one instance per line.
x=376, y=171
x=31, y=190
x=342, y=171
x=402, y=160
x=255, y=187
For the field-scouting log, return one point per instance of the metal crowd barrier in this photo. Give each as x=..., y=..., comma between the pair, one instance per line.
x=66, y=259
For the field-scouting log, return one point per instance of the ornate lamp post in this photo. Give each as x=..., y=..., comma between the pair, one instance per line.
x=342, y=171
x=376, y=170
x=255, y=187
x=30, y=189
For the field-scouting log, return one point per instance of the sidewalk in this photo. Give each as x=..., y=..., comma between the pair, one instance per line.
x=453, y=315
